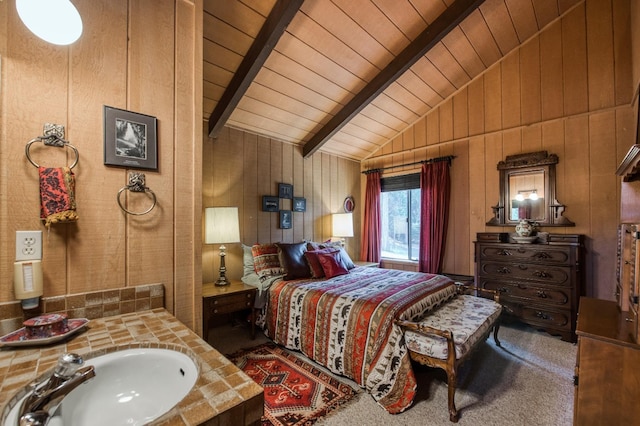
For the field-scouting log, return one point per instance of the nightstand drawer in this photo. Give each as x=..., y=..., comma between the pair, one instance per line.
x=231, y=303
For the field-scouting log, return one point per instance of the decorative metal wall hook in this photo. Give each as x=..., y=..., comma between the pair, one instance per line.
x=136, y=184
x=53, y=135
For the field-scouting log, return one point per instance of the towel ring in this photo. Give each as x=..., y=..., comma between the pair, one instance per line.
x=136, y=184
x=53, y=136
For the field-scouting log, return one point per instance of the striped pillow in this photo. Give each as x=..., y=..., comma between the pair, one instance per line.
x=265, y=260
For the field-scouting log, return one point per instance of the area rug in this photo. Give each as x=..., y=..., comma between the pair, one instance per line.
x=295, y=391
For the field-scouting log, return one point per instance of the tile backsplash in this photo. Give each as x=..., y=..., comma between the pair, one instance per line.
x=92, y=305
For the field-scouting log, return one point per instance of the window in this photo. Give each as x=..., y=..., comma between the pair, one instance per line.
x=400, y=216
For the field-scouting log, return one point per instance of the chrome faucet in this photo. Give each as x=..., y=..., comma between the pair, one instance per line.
x=41, y=403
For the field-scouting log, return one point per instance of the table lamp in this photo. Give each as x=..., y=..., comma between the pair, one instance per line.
x=221, y=226
x=342, y=225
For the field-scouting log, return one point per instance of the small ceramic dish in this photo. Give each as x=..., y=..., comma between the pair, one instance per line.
x=22, y=337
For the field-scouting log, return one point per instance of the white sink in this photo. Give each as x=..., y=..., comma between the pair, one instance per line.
x=131, y=387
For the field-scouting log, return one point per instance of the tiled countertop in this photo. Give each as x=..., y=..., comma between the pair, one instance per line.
x=223, y=394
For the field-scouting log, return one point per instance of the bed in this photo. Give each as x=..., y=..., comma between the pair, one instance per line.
x=345, y=321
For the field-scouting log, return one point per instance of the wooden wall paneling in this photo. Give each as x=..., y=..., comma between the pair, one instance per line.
x=493, y=154
x=433, y=127
x=428, y=72
x=635, y=43
x=235, y=197
x=318, y=208
x=460, y=114
x=477, y=196
x=23, y=117
x=524, y=18
x=576, y=163
x=512, y=142
x=460, y=46
x=252, y=202
x=446, y=120
x=532, y=138
x=553, y=141
x=492, y=99
x=510, y=72
x=574, y=61
x=476, y=106
x=187, y=208
x=530, y=81
x=265, y=186
x=600, y=59
x=551, y=72
x=309, y=182
x=624, y=88
x=275, y=150
x=408, y=143
x=546, y=11
x=603, y=197
x=287, y=177
x=420, y=133
x=298, y=191
x=442, y=59
x=148, y=94
x=461, y=207
x=325, y=213
x=100, y=55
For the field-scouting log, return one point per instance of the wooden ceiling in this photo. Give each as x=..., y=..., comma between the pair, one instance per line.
x=346, y=76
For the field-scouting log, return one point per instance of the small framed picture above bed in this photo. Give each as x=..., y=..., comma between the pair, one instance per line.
x=299, y=204
x=285, y=219
x=270, y=203
x=285, y=190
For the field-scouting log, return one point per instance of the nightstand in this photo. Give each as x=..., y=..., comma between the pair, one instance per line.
x=366, y=264
x=234, y=297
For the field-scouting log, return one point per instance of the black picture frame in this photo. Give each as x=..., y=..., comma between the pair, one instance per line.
x=270, y=203
x=285, y=190
x=286, y=219
x=299, y=204
x=130, y=139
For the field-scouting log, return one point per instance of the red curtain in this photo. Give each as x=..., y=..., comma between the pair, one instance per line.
x=435, y=189
x=370, y=249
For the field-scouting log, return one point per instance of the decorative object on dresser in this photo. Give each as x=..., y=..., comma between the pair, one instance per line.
x=606, y=374
x=221, y=226
x=539, y=283
x=217, y=300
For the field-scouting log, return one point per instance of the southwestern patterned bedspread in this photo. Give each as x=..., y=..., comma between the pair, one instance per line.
x=346, y=323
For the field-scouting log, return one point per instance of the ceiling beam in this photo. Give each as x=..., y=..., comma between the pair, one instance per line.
x=275, y=25
x=431, y=36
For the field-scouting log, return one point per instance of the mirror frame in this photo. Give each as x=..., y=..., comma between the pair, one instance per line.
x=522, y=163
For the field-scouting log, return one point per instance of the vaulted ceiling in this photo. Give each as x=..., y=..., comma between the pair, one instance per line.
x=346, y=76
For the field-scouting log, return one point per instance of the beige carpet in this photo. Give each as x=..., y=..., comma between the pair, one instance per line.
x=528, y=381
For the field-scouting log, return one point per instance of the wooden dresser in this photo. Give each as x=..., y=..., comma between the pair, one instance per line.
x=539, y=283
x=607, y=374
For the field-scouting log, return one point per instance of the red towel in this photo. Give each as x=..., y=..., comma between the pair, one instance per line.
x=57, y=195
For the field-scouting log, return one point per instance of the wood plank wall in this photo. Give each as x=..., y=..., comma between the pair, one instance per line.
x=568, y=90
x=239, y=168
x=127, y=58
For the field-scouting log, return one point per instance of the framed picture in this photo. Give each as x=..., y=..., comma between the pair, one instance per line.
x=299, y=204
x=270, y=204
x=285, y=219
x=130, y=139
x=285, y=190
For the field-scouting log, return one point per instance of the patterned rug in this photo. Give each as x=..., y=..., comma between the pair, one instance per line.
x=295, y=391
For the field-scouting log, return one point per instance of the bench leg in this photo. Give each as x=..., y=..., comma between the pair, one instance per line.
x=496, y=327
x=451, y=384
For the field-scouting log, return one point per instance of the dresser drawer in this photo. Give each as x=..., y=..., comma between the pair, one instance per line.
x=559, y=297
x=547, y=274
x=526, y=253
x=231, y=303
x=540, y=315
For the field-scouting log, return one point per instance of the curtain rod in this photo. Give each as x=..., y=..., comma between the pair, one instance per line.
x=431, y=160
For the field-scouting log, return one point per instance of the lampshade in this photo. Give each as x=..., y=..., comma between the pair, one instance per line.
x=221, y=225
x=55, y=21
x=342, y=224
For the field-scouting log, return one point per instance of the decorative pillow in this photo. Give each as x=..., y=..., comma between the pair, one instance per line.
x=331, y=264
x=247, y=261
x=314, y=264
x=345, y=260
x=265, y=260
x=292, y=260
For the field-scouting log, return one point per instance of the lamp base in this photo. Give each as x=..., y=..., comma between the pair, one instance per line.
x=222, y=281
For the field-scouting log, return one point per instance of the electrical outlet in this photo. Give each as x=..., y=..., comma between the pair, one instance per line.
x=28, y=245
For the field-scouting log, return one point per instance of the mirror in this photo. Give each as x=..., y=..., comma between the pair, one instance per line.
x=528, y=191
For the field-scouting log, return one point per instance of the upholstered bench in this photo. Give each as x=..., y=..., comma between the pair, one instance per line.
x=446, y=335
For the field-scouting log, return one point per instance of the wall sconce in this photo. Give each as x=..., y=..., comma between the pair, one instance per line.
x=54, y=21
x=532, y=194
x=342, y=225
x=221, y=226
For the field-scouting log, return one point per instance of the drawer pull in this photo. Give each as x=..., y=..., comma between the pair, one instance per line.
x=542, y=315
x=542, y=274
x=541, y=294
x=542, y=255
x=503, y=252
x=503, y=270
x=215, y=302
x=628, y=319
x=503, y=290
